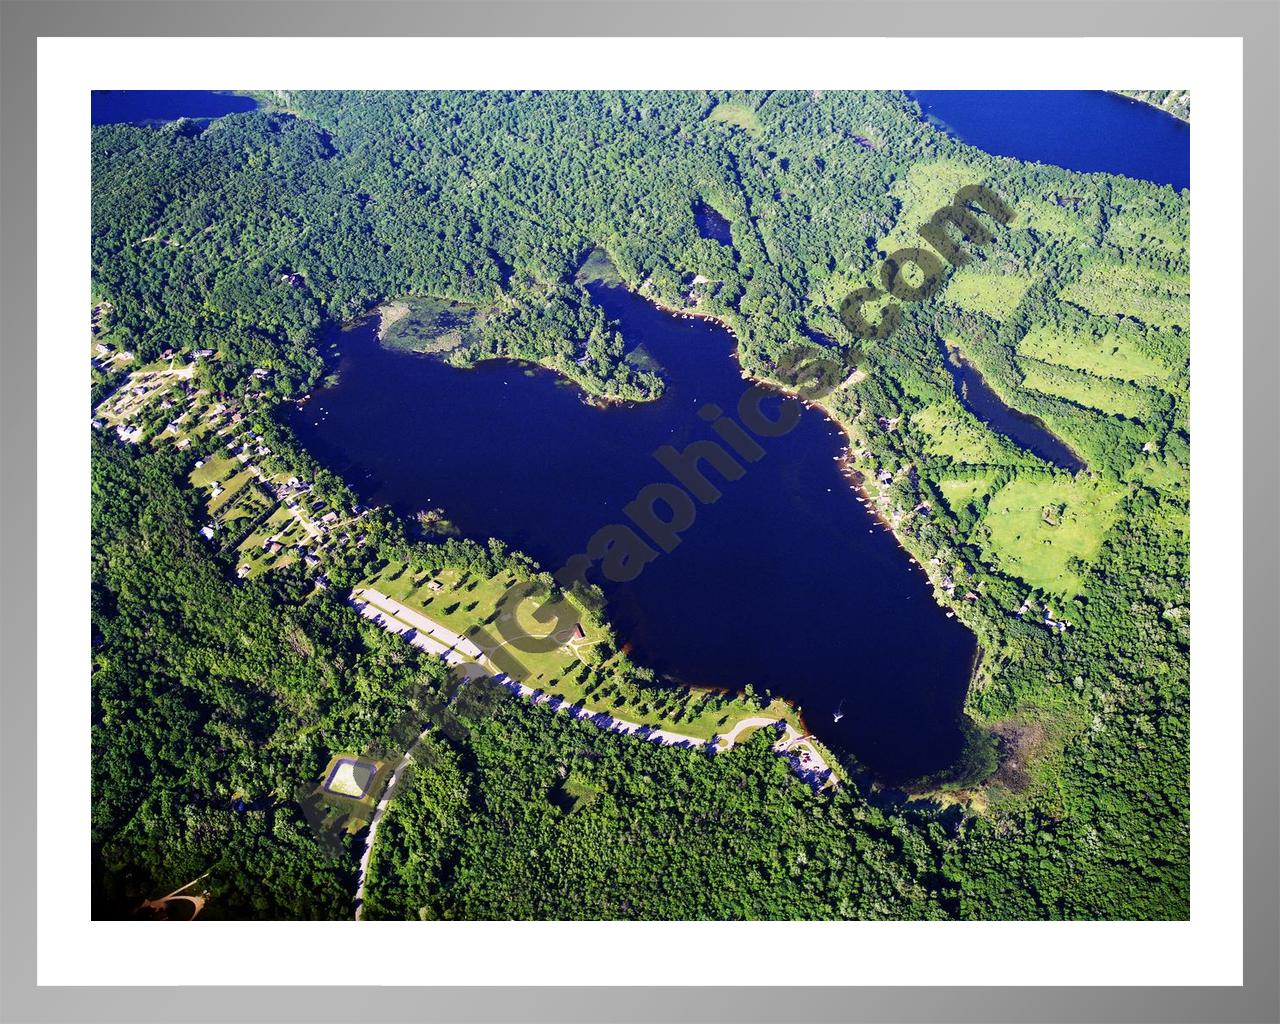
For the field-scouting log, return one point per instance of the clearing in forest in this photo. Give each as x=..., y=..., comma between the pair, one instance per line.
x=1155, y=297
x=955, y=432
x=1112, y=397
x=1047, y=529
x=1113, y=353
x=980, y=290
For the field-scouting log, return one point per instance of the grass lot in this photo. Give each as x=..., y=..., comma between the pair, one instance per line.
x=981, y=291
x=231, y=490
x=1037, y=529
x=352, y=814
x=953, y=431
x=738, y=114
x=1156, y=298
x=469, y=604
x=1137, y=228
x=280, y=524
x=1161, y=471
x=214, y=470
x=959, y=493
x=1115, y=354
x=1113, y=397
x=573, y=795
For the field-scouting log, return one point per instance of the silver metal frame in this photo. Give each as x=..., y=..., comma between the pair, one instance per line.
x=1258, y=23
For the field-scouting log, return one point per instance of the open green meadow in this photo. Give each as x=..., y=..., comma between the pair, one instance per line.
x=1113, y=397
x=1116, y=353
x=1152, y=296
x=1041, y=528
x=738, y=114
x=435, y=325
x=955, y=432
x=488, y=610
x=961, y=493
x=979, y=290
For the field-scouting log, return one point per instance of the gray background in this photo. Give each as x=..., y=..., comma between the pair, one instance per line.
x=21, y=23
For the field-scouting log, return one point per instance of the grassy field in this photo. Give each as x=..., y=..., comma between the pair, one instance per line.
x=1115, y=354
x=953, y=431
x=1037, y=529
x=1113, y=397
x=1137, y=228
x=959, y=493
x=215, y=470
x=738, y=114
x=598, y=267
x=981, y=291
x=1156, y=298
x=1049, y=217
x=1161, y=471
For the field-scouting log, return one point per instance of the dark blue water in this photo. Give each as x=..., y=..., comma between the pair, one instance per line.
x=1082, y=131
x=712, y=224
x=786, y=581
x=1027, y=432
x=157, y=106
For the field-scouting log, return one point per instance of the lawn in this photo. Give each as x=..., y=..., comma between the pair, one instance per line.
x=214, y=470
x=598, y=267
x=983, y=291
x=1156, y=298
x=1049, y=217
x=573, y=795
x=348, y=812
x=1113, y=397
x=1137, y=228
x=1040, y=528
x=925, y=189
x=1115, y=353
x=231, y=490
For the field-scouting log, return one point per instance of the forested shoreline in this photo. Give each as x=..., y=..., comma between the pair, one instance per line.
x=251, y=234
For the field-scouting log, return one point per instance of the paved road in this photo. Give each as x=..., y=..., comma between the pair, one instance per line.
x=376, y=819
x=419, y=622
x=394, y=624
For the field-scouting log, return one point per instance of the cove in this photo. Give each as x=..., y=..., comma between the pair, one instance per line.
x=786, y=582
x=1078, y=130
x=159, y=106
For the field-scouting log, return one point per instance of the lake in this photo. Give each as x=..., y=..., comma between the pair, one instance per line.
x=1082, y=131
x=786, y=582
x=159, y=106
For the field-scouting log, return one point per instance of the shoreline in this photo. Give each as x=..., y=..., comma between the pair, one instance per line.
x=854, y=477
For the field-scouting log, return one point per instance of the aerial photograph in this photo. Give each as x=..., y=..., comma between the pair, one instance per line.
x=640, y=505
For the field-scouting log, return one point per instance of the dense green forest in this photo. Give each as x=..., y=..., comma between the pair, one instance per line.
x=212, y=697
